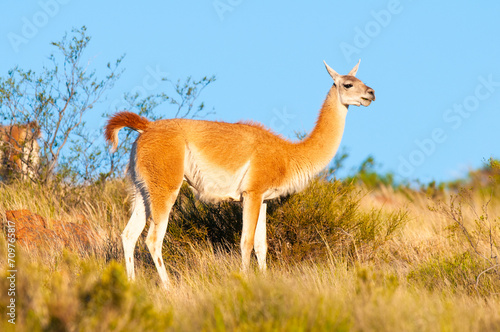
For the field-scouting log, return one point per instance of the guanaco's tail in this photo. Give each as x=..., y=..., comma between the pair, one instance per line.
x=120, y=120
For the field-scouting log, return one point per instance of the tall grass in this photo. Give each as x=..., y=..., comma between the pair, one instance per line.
x=342, y=257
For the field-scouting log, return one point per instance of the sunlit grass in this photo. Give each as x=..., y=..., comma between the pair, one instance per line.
x=342, y=258
x=212, y=294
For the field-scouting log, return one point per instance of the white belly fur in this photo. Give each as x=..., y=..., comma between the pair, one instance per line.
x=210, y=182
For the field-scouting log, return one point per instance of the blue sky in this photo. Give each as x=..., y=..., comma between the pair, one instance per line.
x=435, y=66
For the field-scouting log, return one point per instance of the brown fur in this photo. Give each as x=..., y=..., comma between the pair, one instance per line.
x=226, y=161
x=124, y=119
x=17, y=144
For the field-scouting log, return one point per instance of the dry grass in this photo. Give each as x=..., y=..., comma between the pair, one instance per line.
x=342, y=258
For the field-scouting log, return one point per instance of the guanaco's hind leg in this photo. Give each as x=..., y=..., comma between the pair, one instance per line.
x=157, y=231
x=251, y=210
x=132, y=232
x=160, y=163
x=260, y=242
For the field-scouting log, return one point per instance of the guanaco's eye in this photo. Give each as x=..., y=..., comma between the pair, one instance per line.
x=347, y=86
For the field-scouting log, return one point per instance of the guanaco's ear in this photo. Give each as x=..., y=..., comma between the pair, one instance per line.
x=354, y=70
x=332, y=72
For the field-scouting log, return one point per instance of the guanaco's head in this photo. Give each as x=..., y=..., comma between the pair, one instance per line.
x=350, y=89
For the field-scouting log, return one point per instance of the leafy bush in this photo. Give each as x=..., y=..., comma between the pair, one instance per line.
x=325, y=221
x=367, y=174
x=456, y=274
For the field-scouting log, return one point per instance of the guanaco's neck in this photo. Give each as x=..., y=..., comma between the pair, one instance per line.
x=320, y=146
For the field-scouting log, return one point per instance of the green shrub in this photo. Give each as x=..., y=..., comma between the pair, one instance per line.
x=326, y=220
x=195, y=221
x=456, y=274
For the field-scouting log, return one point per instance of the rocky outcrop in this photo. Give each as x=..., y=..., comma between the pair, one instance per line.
x=34, y=231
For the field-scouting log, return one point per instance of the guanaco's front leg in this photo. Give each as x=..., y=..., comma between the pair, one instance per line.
x=251, y=209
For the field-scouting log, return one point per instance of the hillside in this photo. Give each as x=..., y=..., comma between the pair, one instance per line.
x=362, y=254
